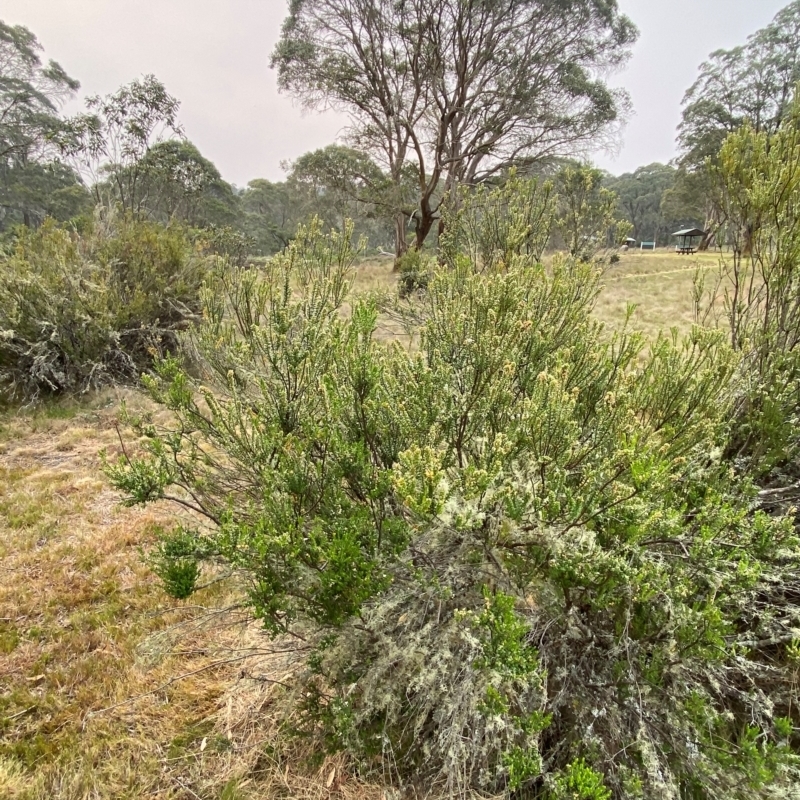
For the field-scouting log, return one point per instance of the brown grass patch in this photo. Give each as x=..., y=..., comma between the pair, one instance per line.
x=109, y=689
x=659, y=284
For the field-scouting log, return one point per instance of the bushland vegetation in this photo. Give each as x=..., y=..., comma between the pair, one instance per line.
x=515, y=552
x=80, y=310
x=517, y=557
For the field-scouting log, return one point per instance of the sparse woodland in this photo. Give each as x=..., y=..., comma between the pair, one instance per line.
x=516, y=547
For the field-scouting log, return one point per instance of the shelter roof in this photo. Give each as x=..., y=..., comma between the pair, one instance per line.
x=690, y=232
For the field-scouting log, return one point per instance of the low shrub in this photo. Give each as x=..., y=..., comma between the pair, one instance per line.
x=413, y=270
x=79, y=310
x=513, y=554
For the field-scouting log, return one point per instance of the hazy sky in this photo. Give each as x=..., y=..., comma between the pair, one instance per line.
x=214, y=57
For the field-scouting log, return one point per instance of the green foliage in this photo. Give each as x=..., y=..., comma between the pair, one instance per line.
x=270, y=214
x=334, y=184
x=413, y=273
x=112, y=143
x=581, y=782
x=752, y=83
x=175, y=560
x=33, y=191
x=648, y=199
x=33, y=183
x=749, y=84
x=504, y=648
x=341, y=183
x=492, y=227
x=177, y=183
x=756, y=179
x=513, y=549
x=522, y=766
x=228, y=243
x=587, y=218
x=80, y=311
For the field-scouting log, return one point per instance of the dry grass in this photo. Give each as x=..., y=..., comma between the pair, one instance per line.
x=107, y=688
x=110, y=690
x=658, y=283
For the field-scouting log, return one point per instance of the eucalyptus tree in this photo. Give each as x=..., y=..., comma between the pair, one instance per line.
x=457, y=90
x=752, y=83
x=335, y=184
x=342, y=183
x=648, y=199
x=110, y=143
x=271, y=214
x=32, y=190
x=178, y=182
x=31, y=95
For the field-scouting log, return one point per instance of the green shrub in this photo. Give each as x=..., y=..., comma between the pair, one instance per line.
x=81, y=310
x=514, y=552
x=491, y=227
x=175, y=559
x=413, y=270
x=756, y=298
x=581, y=782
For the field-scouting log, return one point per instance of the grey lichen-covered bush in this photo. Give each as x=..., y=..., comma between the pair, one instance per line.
x=514, y=552
x=80, y=310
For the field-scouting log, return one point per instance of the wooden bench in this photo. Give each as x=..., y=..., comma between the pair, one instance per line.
x=685, y=251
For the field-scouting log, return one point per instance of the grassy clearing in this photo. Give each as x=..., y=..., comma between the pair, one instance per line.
x=108, y=689
x=658, y=284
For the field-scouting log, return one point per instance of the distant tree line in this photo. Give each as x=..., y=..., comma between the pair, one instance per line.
x=129, y=149
x=500, y=94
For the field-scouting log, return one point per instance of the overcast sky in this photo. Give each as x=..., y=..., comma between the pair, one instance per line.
x=214, y=57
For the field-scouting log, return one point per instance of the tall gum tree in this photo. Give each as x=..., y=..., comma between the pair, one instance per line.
x=457, y=91
x=32, y=92
x=753, y=83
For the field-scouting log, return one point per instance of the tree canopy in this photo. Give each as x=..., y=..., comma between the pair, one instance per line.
x=111, y=142
x=751, y=83
x=32, y=183
x=179, y=182
x=647, y=198
x=460, y=90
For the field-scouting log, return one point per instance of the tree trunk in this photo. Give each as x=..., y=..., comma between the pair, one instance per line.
x=423, y=228
x=747, y=237
x=400, y=243
x=709, y=237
